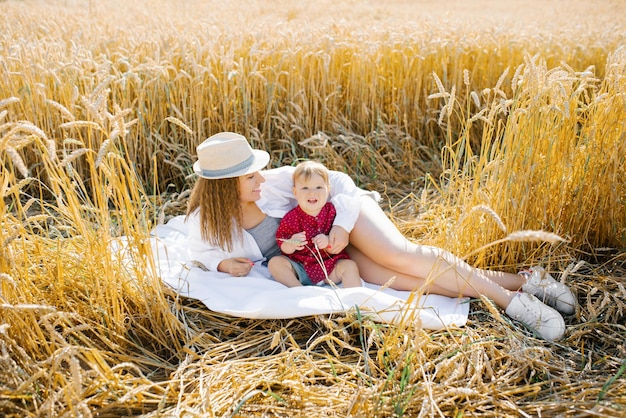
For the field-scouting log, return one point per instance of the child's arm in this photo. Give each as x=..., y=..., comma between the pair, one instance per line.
x=288, y=237
x=295, y=243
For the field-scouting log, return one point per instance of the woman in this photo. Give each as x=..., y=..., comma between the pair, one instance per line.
x=234, y=211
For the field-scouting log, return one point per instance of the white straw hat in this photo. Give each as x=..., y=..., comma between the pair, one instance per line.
x=226, y=155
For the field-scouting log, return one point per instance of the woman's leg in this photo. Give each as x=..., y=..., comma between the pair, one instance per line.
x=374, y=273
x=383, y=253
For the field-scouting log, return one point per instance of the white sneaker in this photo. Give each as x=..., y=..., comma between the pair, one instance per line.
x=541, y=284
x=544, y=320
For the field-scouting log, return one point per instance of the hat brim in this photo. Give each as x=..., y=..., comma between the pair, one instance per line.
x=261, y=159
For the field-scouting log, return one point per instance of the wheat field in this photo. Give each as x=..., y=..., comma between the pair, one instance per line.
x=494, y=129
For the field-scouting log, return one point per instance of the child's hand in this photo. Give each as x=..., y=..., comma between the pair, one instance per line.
x=295, y=243
x=321, y=241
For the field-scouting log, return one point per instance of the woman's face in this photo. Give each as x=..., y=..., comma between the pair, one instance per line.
x=250, y=187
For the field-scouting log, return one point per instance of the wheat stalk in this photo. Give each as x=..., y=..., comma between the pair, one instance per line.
x=62, y=109
x=530, y=236
x=363, y=93
x=81, y=124
x=8, y=101
x=73, y=156
x=180, y=124
x=17, y=160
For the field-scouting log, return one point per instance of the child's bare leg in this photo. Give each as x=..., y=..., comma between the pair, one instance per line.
x=346, y=272
x=280, y=268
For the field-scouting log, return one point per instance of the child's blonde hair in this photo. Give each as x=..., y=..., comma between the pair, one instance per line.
x=307, y=169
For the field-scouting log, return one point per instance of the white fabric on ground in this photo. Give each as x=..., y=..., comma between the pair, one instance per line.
x=259, y=297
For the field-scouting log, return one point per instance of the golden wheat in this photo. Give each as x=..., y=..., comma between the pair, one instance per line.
x=474, y=126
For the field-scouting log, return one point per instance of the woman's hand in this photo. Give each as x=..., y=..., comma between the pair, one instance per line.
x=338, y=239
x=237, y=267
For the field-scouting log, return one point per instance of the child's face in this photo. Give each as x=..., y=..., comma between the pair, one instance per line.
x=311, y=193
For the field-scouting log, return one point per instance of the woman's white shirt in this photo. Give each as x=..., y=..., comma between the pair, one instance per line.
x=211, y=255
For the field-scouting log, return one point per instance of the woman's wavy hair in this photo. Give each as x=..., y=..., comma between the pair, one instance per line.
x=220, y=210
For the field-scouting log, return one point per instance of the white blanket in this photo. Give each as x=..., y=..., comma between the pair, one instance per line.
x=258, y=297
